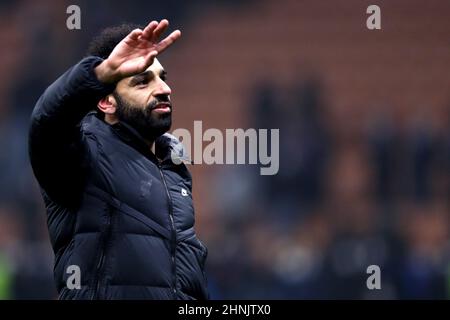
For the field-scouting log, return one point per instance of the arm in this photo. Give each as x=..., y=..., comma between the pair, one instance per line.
x=55, y=147
x=54, y=140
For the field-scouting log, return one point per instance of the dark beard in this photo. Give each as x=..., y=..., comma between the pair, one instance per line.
x=149, y=125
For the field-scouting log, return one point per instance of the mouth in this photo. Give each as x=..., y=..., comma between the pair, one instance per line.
x=162, y=108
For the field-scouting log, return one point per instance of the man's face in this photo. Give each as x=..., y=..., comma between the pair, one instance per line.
x=143, y=101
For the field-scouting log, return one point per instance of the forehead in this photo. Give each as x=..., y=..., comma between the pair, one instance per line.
x=155, y=68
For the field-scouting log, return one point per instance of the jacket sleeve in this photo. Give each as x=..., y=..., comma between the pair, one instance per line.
x=55, y=142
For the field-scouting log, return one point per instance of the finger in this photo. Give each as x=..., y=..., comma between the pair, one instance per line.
x=164, y=44
x=134, y=35
x=162, y=26
x=148, y=60
x=148, y=30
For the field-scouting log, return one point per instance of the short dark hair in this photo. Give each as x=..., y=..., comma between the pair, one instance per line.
x=103, y=44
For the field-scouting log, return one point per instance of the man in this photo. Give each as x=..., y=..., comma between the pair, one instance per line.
x=117, y=211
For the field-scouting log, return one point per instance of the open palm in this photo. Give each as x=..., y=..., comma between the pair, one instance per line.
x=136, y=52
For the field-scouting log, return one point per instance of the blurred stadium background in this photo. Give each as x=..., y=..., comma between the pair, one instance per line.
x=364, y=120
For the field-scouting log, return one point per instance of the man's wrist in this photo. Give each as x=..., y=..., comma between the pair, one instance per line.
x=105, y=73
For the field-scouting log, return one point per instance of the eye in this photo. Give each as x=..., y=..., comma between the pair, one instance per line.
x=142, y=82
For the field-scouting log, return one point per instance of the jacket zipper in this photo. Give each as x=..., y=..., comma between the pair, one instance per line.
x=174, y=234
x=105, y=239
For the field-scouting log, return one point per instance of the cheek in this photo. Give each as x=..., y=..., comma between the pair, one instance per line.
x=135, y=96
x=136, y=99
x=142, y=97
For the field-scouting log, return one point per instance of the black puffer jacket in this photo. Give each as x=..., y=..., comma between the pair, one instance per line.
x=124, y=218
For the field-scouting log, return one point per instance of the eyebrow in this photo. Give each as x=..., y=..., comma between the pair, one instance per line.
x=146, y=75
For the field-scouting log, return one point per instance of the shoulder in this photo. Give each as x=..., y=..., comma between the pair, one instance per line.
x=92, y=123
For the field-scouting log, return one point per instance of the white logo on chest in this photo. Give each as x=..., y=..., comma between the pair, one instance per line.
x=184, y=192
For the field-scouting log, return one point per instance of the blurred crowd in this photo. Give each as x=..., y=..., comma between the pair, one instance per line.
x=341, y=201
x=335, y=208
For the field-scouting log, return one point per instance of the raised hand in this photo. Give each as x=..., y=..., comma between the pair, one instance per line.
x=136, y=52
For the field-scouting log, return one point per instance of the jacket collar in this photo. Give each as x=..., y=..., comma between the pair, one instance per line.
x=133, y=138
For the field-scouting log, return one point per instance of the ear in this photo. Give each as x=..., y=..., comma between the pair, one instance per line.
x=107, y=105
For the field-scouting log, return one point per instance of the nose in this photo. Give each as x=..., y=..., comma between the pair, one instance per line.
x=162, y=88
